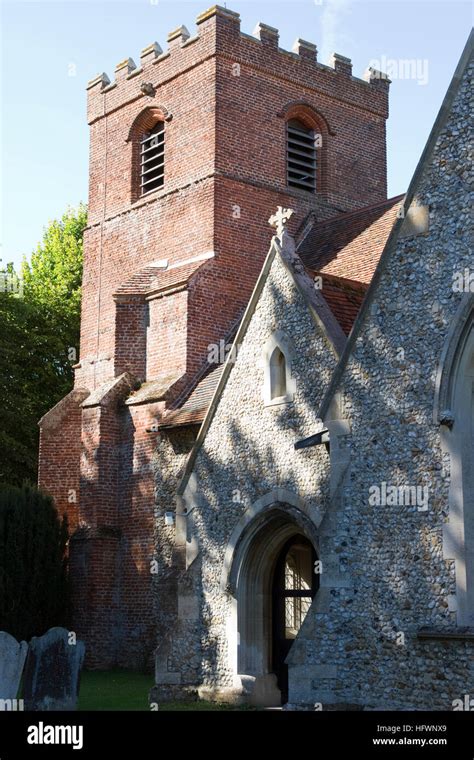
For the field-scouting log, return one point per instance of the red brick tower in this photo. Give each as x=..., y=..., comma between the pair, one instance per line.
x=169, y=271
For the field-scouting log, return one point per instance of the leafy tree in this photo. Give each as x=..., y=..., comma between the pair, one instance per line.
x=52, y=280
x=17, y=410
x=39, y=325
x=34, y=591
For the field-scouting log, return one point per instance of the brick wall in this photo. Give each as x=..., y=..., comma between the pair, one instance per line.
x=59, y=454
x=131, y=319
x=225, y=98
x=166, y=334
x=136, y=521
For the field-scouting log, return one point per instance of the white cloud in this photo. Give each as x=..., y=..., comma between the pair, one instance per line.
x=332, y=16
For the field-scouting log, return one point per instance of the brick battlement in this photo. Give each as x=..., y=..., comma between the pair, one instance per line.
x=219, y=35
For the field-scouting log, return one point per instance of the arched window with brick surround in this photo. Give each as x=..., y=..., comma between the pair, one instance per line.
x=307, y=135
x=152, y=159
x=300, y=156
x=147, y=136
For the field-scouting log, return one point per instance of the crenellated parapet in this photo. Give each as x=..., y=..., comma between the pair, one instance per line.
x=219, y=34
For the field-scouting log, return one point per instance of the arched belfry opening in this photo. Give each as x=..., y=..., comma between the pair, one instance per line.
x=273, y=581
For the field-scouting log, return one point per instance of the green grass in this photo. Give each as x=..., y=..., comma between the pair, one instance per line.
x=126, y=690
x=114, y=690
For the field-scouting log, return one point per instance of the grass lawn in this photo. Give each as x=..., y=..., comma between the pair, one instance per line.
x=126, y=690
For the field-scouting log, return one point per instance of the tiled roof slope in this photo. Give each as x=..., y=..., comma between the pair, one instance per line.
x=195, y=407
x=152, y=279
x=344, y=298
x=350, y=244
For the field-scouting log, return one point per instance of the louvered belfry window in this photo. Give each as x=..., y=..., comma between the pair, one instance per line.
x=152, y=159
x=301, y=156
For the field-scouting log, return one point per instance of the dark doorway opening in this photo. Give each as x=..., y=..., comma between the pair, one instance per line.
x=295, y=583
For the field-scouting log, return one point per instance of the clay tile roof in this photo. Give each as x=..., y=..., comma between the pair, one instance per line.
x=196, y=405
x=152, y=279
x=191, y=406
x=344, y=298
x=350, y=244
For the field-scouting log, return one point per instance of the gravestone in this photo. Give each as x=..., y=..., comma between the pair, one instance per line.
x=53, y=670
x=12, y=660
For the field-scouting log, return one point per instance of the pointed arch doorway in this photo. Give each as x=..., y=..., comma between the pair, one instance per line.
x=293, y=588
x=270, y=574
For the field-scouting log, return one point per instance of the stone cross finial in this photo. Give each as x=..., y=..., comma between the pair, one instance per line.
x=280, y=218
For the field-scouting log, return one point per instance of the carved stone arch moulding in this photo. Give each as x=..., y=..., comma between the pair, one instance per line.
x=246, y=577
x=454, y=412
x=279, y=502
x=453, y=348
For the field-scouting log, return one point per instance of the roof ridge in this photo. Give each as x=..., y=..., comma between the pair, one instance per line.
x=354, y=212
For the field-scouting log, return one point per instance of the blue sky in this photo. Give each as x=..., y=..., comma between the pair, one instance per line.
x=51, y=49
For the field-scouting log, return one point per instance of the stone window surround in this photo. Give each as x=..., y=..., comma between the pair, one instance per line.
x=279, y=340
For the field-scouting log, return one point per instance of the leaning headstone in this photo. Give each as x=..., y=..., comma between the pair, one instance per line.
x=53, y=670
x=12, y=660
